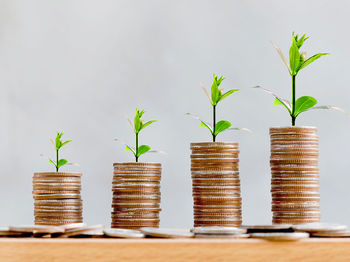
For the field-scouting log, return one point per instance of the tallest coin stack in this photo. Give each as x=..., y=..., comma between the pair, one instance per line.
x=295, y=175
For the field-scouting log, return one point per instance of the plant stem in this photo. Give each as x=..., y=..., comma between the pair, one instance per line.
x=56, y=160
x=293, y=100
x=214, y=122
x=137, y=147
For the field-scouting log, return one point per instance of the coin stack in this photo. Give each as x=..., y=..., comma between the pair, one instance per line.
x=295, y=175
x=57, y=198
x=136, y=195
x=216, y=184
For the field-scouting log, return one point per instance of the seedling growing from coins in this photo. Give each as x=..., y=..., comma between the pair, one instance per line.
x=137, y=126
x=58, y=144
x=216, y=96
x=297, y=62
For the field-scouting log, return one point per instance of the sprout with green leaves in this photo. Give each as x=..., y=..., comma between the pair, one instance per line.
x=297, y=62
x=217, y=95
x=58, y=143
x=137, y=126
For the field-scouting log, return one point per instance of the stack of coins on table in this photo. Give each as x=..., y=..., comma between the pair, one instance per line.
x=136, y=195
x=295, y=175
x=216, y=184
x=57, y=199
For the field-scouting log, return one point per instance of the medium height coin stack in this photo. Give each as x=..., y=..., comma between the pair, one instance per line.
x=57, y=198
x=295, y=175
x=216, y=184
x=136, y=195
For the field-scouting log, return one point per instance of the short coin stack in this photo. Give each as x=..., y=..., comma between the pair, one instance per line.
x=136, y=195
x=216, y=184
x=295, y=175
x=57, y=199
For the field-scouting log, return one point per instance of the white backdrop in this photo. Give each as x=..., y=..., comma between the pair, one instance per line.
x=80, y=66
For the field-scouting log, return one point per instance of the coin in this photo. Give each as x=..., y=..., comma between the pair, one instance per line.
x=166, y=232
x=123, y=233
x=218, y=230
x=280, y=236
x=331, y=234
x=320, y=227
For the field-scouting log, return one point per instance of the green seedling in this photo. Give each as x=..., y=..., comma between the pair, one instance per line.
x=137, y=126
x=58, y=144
x=217, y=95
x=297, y=62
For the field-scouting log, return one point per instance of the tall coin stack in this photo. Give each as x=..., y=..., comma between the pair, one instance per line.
x=136, y=195
x=57, y=198
x=295, y=175
x=216, y=184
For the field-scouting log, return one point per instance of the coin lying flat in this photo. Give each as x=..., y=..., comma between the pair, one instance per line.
x=166, y=232
x=36, y=229
x=123, y=233
x=280, y=236
x=92, y=230
x=216, y=230
x=320, y=227
x=268, y=228
x=226, y=236
x=331, y=234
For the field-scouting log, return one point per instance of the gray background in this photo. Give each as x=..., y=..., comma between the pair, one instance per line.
x=82, y=66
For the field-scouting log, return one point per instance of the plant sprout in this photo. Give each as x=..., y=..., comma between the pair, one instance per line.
x=297, y=62
x=137, y=126
x=217, y=95
x=58, y=143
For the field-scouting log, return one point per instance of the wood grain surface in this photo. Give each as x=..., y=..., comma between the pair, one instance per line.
x=168, y=250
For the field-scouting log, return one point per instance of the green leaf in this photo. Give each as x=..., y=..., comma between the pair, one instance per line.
x=147, y=124
x=311, y=59
x=137, y=120
x=130, y=148
x=58, y=140
x=304, y=103
x=65, y=143
x=227, y=94
x=221, y=126
x=203, y=124
x=280, y=102
x=285, y=102
x=50, y=161
x=142, y=150
x=215, y=93
x=61, y=162
x=294, y=57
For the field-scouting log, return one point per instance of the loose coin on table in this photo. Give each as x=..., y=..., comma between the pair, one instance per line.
x=123, y=233
x=320, y=227
x=268, y=228
x=96, y=230
x=36, y=229
x=293, y=236
x=231, y=236
x=166, y=232
x=215, y=230
x=331, y=234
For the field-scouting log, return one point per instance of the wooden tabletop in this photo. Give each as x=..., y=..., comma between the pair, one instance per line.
x=168, y=250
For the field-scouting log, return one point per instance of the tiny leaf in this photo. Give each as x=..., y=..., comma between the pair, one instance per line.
x=221, y=126
x=241, y=129
x=61, y=162
x=285, y=102
x=228, y=93
x=147, y=124
x=327, y=107
x=312, y=59
x=65, y=143
x=130, y=148
x=50, y=161
x=304, y=103
x=206, y=92
x=294, y=57
x=202, y=124
x=142, y=150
